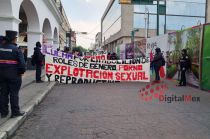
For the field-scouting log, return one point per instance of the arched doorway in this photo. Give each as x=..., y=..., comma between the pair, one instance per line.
x=47, y=30
x=55, y=38
x=29, y=28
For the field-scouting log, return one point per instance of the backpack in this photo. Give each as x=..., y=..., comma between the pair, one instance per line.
x=163, y=61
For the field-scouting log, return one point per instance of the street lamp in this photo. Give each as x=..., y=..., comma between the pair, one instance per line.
x=146, y=17
x=133, y=34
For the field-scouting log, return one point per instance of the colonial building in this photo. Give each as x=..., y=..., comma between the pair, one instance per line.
x=64, y=27
x=35, y=20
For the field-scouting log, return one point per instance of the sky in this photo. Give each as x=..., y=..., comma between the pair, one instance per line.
x=85, y=16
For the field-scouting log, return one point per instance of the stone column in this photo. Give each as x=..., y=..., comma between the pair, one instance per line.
x=33, y=37
x=8, y=23
x=55, y=44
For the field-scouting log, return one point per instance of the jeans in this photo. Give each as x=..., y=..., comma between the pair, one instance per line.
x=9, y=89
x=38, y=72
x=157, y=75
x=183, y=78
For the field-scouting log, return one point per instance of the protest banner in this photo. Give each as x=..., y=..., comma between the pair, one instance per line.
x=129, y=51
x=79, y=70
x=53, y=52
x=140, y=48
x=97, y=57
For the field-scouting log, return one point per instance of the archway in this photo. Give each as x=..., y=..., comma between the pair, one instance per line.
x=47, y=30
x=29, y=28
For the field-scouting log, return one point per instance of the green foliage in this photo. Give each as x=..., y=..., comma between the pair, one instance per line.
x=171, y=71
x=79, y=49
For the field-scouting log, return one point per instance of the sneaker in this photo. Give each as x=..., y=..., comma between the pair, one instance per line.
x=17, y=114
x=39, y=81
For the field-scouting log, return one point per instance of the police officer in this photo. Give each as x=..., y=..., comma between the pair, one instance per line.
x=185, y=65
x=12, y=66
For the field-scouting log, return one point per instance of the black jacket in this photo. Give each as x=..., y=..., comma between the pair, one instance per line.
x=38, y=56
x=185, y=62
x=157, y=60
x=12, y=61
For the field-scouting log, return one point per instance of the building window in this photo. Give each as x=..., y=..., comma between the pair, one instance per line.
x=111, y=24
x=188, y=14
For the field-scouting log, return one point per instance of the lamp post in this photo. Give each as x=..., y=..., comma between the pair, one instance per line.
x=133, y=34
x=146, y=17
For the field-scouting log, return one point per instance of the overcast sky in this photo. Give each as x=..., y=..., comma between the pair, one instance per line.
x=85, y=16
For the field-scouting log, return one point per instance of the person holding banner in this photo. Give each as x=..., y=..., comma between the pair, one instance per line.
x=157, y=62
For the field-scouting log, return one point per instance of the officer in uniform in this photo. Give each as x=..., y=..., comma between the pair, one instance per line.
x=185, y=65
x=12, y=66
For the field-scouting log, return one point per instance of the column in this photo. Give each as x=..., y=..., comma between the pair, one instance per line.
x=33, y=37
x=8, y=23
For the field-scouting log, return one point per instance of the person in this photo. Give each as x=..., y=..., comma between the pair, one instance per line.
x=25, y=55
x=38, y=60
x=75, y=52
x=12, y=66
x=2, y=40
x=113, y=56
x=185, y=65
x=157, y=63
x=109, y=56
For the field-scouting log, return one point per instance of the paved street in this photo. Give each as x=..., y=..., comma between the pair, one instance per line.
x=115, y=111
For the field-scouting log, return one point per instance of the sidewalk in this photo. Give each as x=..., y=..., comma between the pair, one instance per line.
x=31, y=94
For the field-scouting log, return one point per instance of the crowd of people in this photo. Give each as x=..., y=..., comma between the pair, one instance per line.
x=13, y=66
x=112, y=56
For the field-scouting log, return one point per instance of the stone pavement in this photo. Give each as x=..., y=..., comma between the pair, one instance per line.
x=30, y=95
x=115, y=111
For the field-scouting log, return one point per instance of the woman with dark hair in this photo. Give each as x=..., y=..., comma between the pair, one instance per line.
x=157, y=62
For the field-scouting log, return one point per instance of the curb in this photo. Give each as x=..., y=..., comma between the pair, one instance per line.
x=10, y=126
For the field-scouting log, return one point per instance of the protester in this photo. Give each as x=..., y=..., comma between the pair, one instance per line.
x=109, y=56
x=75, y=52
x=25, y=55
x=185, y=65
x=113, y=56
x=157, y=62
x=12, y=66
x=38, y=61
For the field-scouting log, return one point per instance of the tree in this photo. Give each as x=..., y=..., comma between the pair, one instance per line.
x=79, y=49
